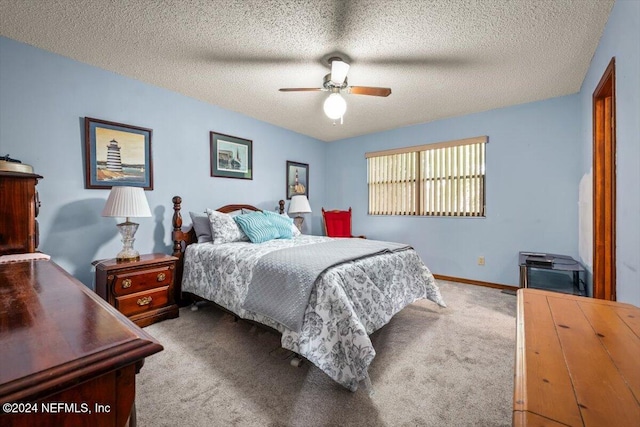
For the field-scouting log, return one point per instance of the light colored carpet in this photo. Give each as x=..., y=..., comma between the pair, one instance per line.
x=434, y=367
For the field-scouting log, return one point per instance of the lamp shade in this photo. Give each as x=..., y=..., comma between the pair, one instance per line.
x=339, y=71
x=299, y=204
x=126, y=202
x=335, y=106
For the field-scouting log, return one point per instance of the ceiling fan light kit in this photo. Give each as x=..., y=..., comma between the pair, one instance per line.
x=335, y=105
x=339, y=70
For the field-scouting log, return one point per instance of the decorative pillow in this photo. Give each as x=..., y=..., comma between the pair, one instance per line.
x=294, y=229
x=223, y=228
x=282, y=224
x=257, y=227
x=200, y=223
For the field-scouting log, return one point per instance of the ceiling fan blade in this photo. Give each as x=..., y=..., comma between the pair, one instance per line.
x=301, y=89
x=373, y=91
x=339, y=71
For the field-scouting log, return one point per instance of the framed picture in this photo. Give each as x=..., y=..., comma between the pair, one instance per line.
x=231, y=157
x=297, y=179
x=117, y=154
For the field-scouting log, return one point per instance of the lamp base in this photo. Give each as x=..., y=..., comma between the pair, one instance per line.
x=127, y=257
x=298, y=222
x=127, y=231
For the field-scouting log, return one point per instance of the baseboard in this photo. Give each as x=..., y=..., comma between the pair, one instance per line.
x=476, y=282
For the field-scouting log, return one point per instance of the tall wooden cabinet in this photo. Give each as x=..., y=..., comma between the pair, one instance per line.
x=18, y=210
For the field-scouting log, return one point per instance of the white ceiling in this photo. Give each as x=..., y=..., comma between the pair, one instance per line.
x=441, y=58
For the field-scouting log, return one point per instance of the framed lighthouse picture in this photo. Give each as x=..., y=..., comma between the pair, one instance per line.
x=297, y=179
x=117, y=154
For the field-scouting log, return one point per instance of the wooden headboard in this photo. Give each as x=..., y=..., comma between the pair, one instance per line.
x=184, y=237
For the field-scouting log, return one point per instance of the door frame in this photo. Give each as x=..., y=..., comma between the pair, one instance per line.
x=604, y=185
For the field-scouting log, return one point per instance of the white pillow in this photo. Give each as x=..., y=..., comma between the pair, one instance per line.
x=224, y=229
x=294, y=229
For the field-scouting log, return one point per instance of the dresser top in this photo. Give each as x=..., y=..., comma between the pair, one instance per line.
x=144, y=260
x=576, y=361
x=54, y=331
x=15, y=174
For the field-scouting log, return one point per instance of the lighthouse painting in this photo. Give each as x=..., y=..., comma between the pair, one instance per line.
x=297, y=179
x=118, y=155
x=114, y=160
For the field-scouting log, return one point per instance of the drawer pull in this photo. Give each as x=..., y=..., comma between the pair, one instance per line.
x=126, y=283
x=161, y=277
x=144, y=301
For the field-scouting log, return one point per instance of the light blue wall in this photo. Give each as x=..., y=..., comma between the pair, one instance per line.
x=621, y=39
x=535, y=158
x=533, y=164
x=43, y=100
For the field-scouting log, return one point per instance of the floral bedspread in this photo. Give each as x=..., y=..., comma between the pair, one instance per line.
x=349, y=301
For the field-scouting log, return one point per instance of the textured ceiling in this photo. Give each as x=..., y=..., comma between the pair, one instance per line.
x=442, y=58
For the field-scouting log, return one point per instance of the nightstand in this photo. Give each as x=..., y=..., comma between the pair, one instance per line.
x=142, y=290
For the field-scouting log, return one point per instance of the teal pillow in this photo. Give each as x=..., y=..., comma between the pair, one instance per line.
x=282, y=224
x=257, y=227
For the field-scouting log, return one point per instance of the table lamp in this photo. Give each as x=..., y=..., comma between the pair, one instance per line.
x=125, y=202
x=299, y=205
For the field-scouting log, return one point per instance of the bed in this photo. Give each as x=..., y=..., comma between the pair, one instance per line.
x=346, y=303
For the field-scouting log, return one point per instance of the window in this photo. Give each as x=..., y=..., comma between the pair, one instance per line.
x=441, y=179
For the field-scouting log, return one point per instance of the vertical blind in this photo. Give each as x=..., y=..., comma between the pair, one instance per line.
x=442, y=179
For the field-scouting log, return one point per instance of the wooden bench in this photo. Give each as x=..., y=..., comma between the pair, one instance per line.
x=577, y=361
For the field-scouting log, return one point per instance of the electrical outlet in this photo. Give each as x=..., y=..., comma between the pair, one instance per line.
x=480, y=260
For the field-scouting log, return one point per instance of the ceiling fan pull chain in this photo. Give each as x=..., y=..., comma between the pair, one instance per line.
x=341, y=121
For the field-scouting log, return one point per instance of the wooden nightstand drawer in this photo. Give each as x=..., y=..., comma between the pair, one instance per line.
x=143, y=301
x=130, y=282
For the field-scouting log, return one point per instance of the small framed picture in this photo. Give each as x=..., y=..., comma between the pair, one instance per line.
x=297, y=179
x=117, y=154
x=231, y=157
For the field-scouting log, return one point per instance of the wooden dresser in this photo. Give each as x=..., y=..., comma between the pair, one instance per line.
x=577, y=361
x=18, y=209
x=143, y=290
x=64, y=352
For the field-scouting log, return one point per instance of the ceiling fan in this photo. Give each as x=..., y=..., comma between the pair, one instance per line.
x=336, y=81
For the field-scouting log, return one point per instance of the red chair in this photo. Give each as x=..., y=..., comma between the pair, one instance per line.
x=338, y=223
